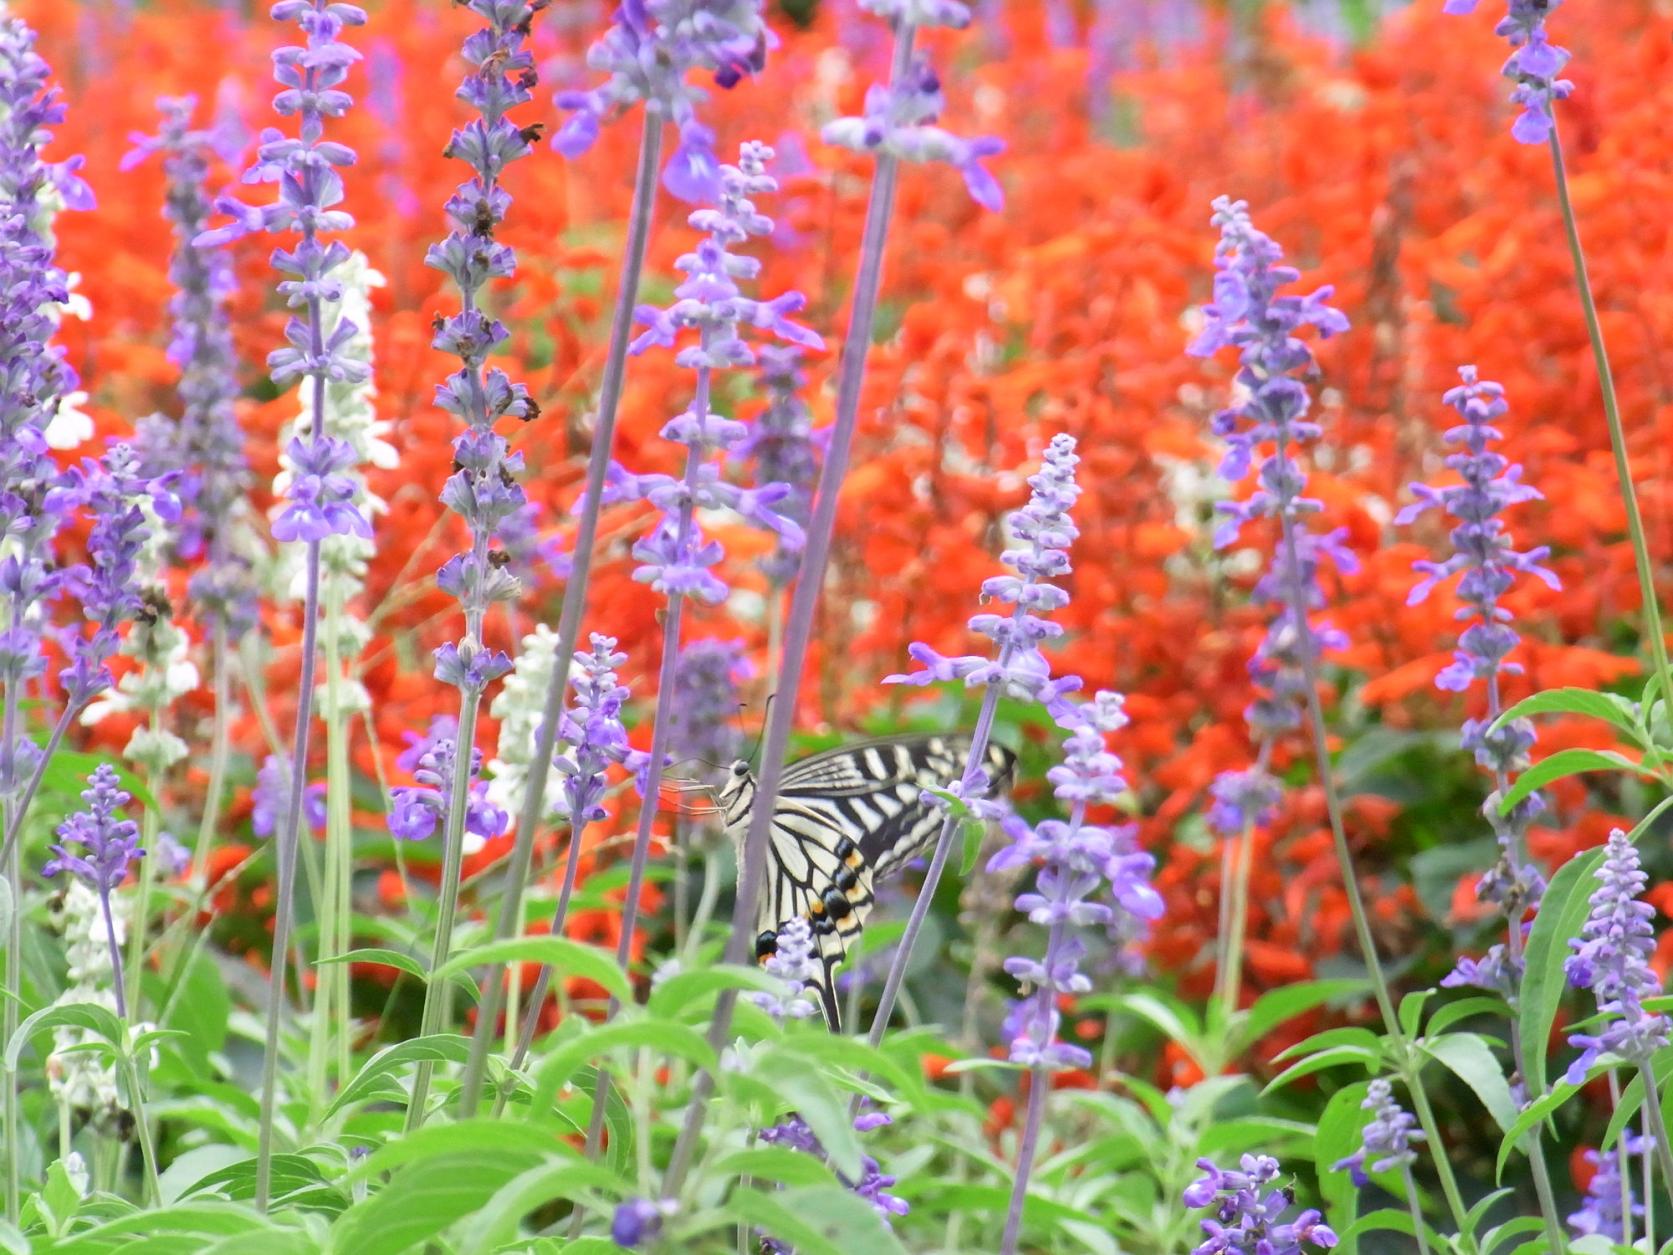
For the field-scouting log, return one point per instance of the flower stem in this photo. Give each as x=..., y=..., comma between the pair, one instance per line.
x=1039, y=1085
x=288, y=837
x=447, y=898
x=574, y=596
x=220, y=740
x=1228, y=981
x=142, y=1130
x=805, y=600
x=1658, y=1126
x=1612, y=416
x=1420, y=1231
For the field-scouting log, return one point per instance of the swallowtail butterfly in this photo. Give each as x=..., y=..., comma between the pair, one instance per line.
x=845, y=819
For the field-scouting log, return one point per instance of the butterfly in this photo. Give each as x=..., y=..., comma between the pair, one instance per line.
x=845, y=819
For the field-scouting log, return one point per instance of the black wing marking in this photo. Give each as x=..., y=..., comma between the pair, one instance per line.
x=846, y=818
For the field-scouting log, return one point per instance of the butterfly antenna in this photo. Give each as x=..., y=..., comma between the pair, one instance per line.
x=766, y=712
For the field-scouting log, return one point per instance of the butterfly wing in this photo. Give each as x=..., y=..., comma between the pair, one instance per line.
x=846, y=818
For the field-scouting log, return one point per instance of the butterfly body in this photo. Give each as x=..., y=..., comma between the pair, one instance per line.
x=845, y=819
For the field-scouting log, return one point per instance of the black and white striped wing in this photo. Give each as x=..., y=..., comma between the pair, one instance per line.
x=846, y=818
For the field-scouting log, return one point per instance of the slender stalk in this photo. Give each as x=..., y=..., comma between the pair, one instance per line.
x=20, y=812
x=447, y=901
x=1420, y=1231
x=1649, y=1187
x=11, y=858
x=804, y=601
x=1410, y=1068
x=142, y=1129
x=288, y=837
x=1612, y=417
x=220, y=742
x=1658, y=1126
x=1039, y=1085
x=574, y=595
x=339, y=839
x=1623, y=1165
x=1228, y=981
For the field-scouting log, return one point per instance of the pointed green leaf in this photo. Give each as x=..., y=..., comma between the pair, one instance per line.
x=1562, y=911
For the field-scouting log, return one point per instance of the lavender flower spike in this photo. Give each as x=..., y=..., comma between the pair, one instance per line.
x=785, y=448
x=1533, y=64
x=1247, y=1216
x=873, y=1184
x=1611, y=958
x=1388, y=1137
x=105, y=847
x=1601, y=1213
x=649, y=52
x=703, y=721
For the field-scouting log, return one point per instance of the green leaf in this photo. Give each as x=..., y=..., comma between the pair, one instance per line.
x=775, y=1164
x=1472, y=1061
x=1609, y=707
x=1467, y=1009
x=1562, y=911
x=1350, y=1035
x=1496, y=1237
x=1632, y=1097
x=1340, y=1132
x=564, y=1059
x=200, y=1219
x=1532, y=1117
x=382, y=958
x=99, y=1021
x=687, y=989
x=1411, y=1010
x=566, y=958
x=1168, y=1015
x=805, y=1091
x=424, y=1199
x=496, y=1222
x=238, y=1181
x=1275, y=1008
x=1561, y=765
x=376, y=1074
x=817, y=1220
x=1333, y=1057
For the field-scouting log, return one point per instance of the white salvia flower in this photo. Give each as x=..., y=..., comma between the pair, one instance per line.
x=518, y=707
x=350, y=416
x=85, y=1079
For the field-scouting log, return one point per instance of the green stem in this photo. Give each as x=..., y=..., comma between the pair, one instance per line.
x=142, y=1128
x=1658, y=1126
x=1612, y=416
x=220, y=741
x=1419, y=1230
x=1228, y=981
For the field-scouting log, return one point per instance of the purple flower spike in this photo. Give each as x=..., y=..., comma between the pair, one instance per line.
x=1247, y=1212
x=1533, y=65
x=267, y=799
x=873, y=1184
x=1044, y=531
x=1251, y=312
x=637, y=1221
x=593, y=730
x=1485, y=555
x=1387, y=1140
x=900, y=120
x=1611, y=958
x=648, y=53
x=674, y=558
x=1600, y=1214
x=419, y=809
x=785, y=448
x=703, y=721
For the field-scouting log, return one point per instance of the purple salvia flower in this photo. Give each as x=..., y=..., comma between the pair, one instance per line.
x=648, y=52
x=323, y=495
x=1600, y=1213
x=210, y=442
x=674, y=558
x=793, y=961
x=1086, y=873
x=703, y=720
x=32, y=290
x=638, y=1220
x=1485, y=554
x=306, y=170
x=593, y=730
x=899, y=120
x=419, y=809
x=1250, y=312
x=482, y=490
x=1248, y=1210
x=1386, y=1143
x=784, y=448
x=1043, y=531
x=267, y=799
x=873, y=1184
x=1533, y=64
x=99, y=846
x=1611, y=958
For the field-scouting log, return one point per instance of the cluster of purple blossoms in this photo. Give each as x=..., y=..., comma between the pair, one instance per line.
x=272, y=789
x=703, y=717
x=649, y=51
x=785, y=449
x=306, y=170
x=873, y=1184
x=675, y=559
x=1248, y=1212
x=1250, y=313
x=592, y=729
x=1386, y=1143
x=35, y=377
x=792, y=962
x=99, y=846
x=1079, y=864
x=482, y=490
x=900, y=117
x=1601, y=1212
x=121, y=502
x=207, y=444
x=1533, y=64
x=417, y=810
x=1611, y=958
x=1485, y=554
x=638, y=1220
x=1044, y=531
